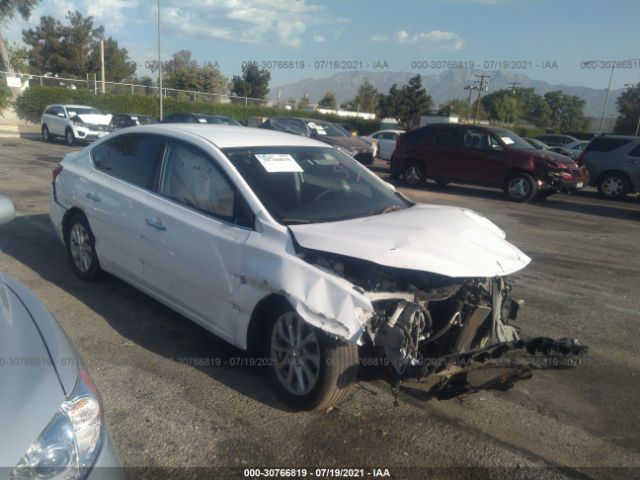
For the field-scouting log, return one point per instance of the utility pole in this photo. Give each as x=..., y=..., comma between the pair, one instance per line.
x=471, y=88
x=481, y=87
x=513, y=85
x=159, y=62
x=606, y=100
x=102, y=62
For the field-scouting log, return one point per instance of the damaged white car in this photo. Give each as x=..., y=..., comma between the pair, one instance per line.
x=291, y=249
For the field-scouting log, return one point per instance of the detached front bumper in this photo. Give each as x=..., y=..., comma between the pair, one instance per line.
x=87, y=134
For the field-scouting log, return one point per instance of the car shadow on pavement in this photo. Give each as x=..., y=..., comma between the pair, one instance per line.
x=31, y=240
x=587, y=202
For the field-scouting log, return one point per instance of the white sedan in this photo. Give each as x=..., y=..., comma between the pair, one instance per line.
x=386, y=141
x=289, y=248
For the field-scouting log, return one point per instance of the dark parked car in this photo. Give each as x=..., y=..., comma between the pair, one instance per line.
x=613, y=162
x=327, y=132
x=481, y=155
x=52, y=417
x=200, y=118
x=123, y=120
x=556, y=140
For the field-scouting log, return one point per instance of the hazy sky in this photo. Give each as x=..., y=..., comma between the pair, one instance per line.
x=367, y=33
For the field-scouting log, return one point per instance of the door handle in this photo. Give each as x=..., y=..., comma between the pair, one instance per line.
x=93, y=196
x=155, y=223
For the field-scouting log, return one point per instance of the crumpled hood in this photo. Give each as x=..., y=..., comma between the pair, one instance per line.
x=94, y=119
x=345, y=142
x=445, y=240
x=550, y=156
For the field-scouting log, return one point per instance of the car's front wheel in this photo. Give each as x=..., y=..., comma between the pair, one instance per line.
x=613, y=185
x=521, y=187
x=81, y=247
x=309, y=370
x=69, y=137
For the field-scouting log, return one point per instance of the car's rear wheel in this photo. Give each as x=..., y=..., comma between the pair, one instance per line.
x=414, y=173
x=46, y=135
x=81, y=249
x=69, y=137
x=613, y=185
x=308, y=369
x=521, y=187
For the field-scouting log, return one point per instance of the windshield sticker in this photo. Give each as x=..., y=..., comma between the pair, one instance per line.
x=278, y=162
x=506, y=140
x=202, y=120
x=318, y=128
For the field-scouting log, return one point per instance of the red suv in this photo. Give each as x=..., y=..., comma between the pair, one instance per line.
x=488, y=156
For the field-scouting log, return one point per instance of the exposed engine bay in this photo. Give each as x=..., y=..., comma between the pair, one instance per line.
x=430, y=325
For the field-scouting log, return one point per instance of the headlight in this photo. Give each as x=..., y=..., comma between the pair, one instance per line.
x=67, y=448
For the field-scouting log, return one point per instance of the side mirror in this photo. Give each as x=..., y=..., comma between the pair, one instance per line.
x=7, y=210
x=62, y=115
x=495, y=147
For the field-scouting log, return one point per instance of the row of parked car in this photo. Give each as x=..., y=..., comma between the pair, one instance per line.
x=525, y=168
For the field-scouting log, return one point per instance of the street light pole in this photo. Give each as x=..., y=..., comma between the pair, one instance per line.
x=159, y=62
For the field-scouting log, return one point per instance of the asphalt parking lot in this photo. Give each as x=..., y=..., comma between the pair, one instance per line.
x=166, y=410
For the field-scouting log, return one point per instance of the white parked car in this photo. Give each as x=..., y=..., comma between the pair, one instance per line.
x=284, y=245
x=74, y=122
x=386, y=140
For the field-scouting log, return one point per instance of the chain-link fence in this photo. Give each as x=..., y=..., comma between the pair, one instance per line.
x=23, y=80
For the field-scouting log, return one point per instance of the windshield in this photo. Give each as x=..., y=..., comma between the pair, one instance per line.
x=82, y=111
x=512, y=140
x=221, y=120
x=312, y=184
x=320, y=128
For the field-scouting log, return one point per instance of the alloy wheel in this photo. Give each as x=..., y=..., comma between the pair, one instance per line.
x=80, y=246
x=518, y=188
x=412, y=175
x=295, y=352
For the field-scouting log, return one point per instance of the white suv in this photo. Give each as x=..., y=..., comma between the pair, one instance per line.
x=74, y=123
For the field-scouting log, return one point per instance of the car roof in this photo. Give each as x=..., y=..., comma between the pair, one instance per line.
x=73, y=106
x=621, y=137
x=231, y=136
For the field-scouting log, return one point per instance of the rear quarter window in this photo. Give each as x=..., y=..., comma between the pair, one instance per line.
x=635, y=152
x=417, y=135
x=605, y=144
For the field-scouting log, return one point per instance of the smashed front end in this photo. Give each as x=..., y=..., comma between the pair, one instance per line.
x=437, y=328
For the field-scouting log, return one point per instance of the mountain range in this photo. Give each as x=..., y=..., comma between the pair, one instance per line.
x=444, y=86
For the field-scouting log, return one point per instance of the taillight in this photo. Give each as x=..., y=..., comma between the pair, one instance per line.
x=57, y=170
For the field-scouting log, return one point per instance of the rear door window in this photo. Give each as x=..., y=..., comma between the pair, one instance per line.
x=446, y=137
x=134, y=158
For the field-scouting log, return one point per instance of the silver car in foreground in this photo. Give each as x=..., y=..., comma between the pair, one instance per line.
x=286, y=246
x=51, y=415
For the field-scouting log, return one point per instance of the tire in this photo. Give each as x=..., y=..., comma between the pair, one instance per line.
x=414, y=174
x=308, y=387
x=81, y=249
x=613, y=185
x=46, y=135
x=521, y=187
x=69, y=137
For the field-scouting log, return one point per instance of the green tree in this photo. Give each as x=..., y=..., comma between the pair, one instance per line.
x=502, y=105
x=416, y=102
x=533, y=107
x=304, y=101
x=366, y=99
x=253, y=83
x=74, y=49
x=567, y=111
x=457, y=106
x=328, y=101
x=628, y=110
x=19, y=58
x=118, y=67
x=9, y=9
